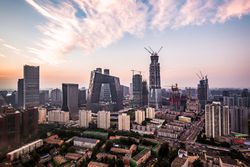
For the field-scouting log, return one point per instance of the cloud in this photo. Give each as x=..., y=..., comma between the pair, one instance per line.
x=232, y=8
x=14, y=49
x=101, y=23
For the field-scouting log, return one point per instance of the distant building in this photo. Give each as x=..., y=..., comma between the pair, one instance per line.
x=139, y=116
x=203, y=92
x=144, y=93
x=150, y=112
x=147, y=130
x=42, y=114
x=137, y=90
x=104, y=88
x=155, y=99
x=239, y=119
x=44, y=97
x=125, y=91
x=58, y=116
x=20, y=93
x=85, y=117
x=85, y=142
x=103, y=119
x=31, y=86
x=70, y=100
x=193, y=105
x=124, y=122
x=82, y=97
x=56, y=97
x=216, y=120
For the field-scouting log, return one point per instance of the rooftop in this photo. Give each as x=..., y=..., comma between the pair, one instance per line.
x=87, y=140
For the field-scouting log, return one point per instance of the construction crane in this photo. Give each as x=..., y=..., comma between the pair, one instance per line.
x=152, y=52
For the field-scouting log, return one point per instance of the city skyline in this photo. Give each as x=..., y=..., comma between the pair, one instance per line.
x=213, y=37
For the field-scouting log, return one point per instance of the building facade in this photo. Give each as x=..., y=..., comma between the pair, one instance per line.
x=216, y=120
x=58, y=116
x=150, y=112
x=56, y=97
x=70, y=100
x=239, y=119
x=31, y=86
x=20, y=93
x=202, y=91
x=124, y=122
x=42, y=115
x=85, y=117
x=139, y=116
x=137, y=90
x=103, y=119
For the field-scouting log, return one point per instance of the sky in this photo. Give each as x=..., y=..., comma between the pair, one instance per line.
x=68, y=39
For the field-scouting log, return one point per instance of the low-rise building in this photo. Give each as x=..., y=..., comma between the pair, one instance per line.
x=148, y=130
x=54, y=139
x=97, y=164
x=142, y=156
x=99, y=156
x=85, y=142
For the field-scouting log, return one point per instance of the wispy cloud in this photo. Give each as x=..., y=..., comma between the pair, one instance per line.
x=14, y=49
x=104, y=22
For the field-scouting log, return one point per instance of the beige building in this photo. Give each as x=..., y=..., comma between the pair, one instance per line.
x=124, y=122
x=58, y=116
x=216, y=120
x=85, y=117
x=193, y=105
x=139, y=116
x=42, y=113
x=150, y=112
x=103, y=119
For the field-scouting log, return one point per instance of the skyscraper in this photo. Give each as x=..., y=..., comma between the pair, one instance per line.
x=97, y=79
x=31, y=86
x=82, y=97
x=203, y=92
x=137, y=90
x=216, y=120
x=144, y=93
x=56, y=97
x=124, y=122
x=103, y=119
x=70, y=100
x=155, y=99
x=20, y=92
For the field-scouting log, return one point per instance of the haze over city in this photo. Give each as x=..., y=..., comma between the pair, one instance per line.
x=69, y=39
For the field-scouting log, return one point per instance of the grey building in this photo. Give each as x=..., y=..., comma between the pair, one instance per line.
x=155, y=99
x=31, y=86
x=144, y=93
x=44, y=97
x=239, y=119
x=202, y=92
x=137, y=90
x=20, y=93
x=82, y=97
x=70, y=100
x=56, y=97
x=97, y=81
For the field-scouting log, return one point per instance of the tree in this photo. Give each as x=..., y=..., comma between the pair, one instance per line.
x=108, y=145
x=197, y=163
x=164, y=150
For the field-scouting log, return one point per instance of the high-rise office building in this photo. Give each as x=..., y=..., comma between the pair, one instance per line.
x=85, y=117
x=137, y=90
x=70, y=100
x=56, y=97
x=124, y=122
x=150, y=112
x=144, y=93
x=44, y=97
x=202, y=92
x=20, y=92
x=239, y=119
x=97, y=79
x=216, y=120
x=82, y=97
x=105, y=94
x=139, y=116
x=31, y=86
x=155, y=99
x=103, y=119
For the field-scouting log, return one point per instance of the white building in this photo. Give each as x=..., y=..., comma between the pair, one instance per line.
x=103, y=119
x=139, y=116
x=85, y=117
x=150, y=112
x=123, y=122
x=42, y=113
x=85, y=142
x=58, y=116
x=216, y=120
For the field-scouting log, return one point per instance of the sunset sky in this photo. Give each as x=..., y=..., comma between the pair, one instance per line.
x=70, y=38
